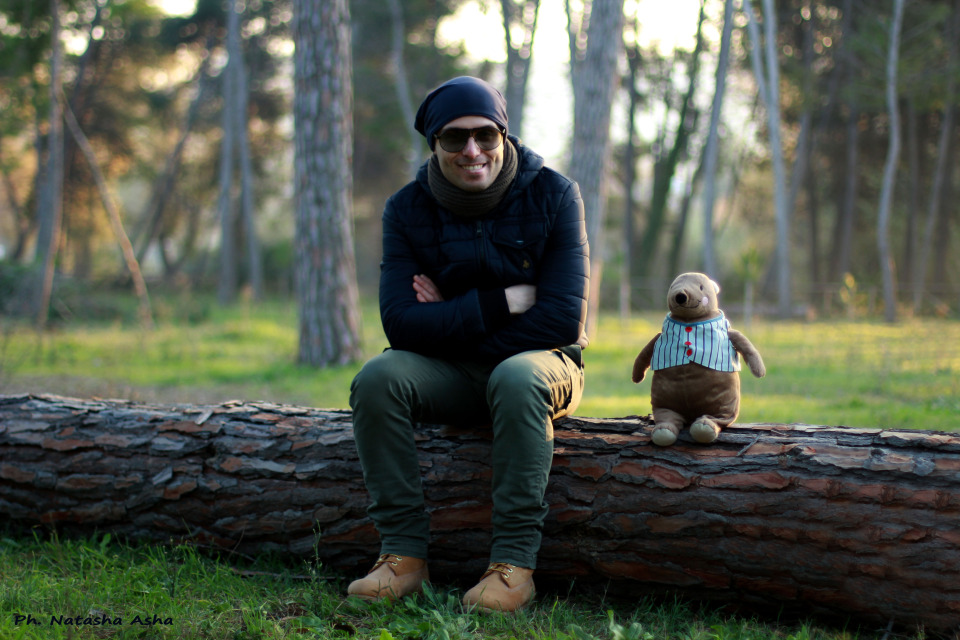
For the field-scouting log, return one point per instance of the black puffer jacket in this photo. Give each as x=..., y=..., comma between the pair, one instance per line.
x=536, y=235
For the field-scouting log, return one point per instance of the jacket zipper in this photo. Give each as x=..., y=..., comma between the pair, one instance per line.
x=481, y=251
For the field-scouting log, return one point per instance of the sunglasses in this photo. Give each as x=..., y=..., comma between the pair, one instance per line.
x=454, y=140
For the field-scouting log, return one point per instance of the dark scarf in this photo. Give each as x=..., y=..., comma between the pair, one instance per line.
x=473, y=204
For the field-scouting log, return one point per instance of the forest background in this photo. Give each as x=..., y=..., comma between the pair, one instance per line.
x=803, y=152
x=151, y=154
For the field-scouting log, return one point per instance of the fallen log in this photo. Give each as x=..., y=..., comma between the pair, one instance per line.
x=862, y=522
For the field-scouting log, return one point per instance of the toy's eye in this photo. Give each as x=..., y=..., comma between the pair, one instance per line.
x=701, y=287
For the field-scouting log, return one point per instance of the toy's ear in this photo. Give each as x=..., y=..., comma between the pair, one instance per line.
x=716, y=287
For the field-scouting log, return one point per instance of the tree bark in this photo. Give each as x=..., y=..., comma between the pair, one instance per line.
x=861, y=522
x=847, y=203
x=522, y=16
x=766, y=66
x=50, y=206
x=847, y=211
x=593, y=71
x=323, y=131
x=712, y=148
x=940, y=176
x=229, y=272
x=634, y=62
x=890, y=169
x=241, y=122
x=401, y=86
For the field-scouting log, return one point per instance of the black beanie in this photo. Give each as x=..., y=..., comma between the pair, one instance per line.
x=463, y=96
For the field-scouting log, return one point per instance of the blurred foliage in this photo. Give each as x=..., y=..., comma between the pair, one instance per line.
x=132, y=73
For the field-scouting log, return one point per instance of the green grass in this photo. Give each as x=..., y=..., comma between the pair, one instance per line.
x=864, y=374
x=243, y=352
x=145, y=592
x=188, y=595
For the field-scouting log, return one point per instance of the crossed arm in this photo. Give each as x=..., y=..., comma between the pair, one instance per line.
x=520, y=297
x=418, y=315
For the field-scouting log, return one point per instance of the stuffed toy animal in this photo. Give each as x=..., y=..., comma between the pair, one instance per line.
x=695, y=361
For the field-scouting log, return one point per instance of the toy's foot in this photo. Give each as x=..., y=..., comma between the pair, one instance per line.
x=665, y=435
x=704, y=431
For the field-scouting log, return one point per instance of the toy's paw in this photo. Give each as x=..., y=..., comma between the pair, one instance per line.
x=664, y=435
x=704, y=431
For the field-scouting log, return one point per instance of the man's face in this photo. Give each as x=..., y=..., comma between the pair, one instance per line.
x=471, y=168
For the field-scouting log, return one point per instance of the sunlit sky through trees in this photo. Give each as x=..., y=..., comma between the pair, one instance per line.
x=549, y=113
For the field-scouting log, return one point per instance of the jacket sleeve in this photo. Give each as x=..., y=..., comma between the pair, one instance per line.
x=438, y=328
x=558, y=317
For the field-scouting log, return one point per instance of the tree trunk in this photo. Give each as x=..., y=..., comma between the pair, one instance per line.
x=890, y=168
x=847, y=211
x=861, y=522
x=241, y=122
x=323, y=132
x=594, y=78
x=766, y=68
x=911, y=239
x=229, y=276
x=781, y=209
x=942, y=256
x=50, y=202
x=805, y=144
x=847, y=191
x=236, y=141
x=634, y=61
x=940, y=175
x=813, y=214
x=522, y=15
x=19, y=219
x=401, y=86
x=712, y=149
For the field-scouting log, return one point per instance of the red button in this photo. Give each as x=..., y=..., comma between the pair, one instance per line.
x=688, y=329
x=689, y=352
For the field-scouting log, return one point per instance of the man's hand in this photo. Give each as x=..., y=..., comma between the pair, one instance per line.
x=426, y=290
x=520, y=297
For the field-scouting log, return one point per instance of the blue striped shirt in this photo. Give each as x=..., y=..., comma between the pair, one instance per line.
x=707, y=343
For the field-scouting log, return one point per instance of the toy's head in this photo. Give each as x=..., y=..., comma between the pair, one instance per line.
x=693, y=297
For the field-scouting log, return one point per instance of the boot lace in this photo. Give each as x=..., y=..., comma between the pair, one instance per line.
x=385, y=558
x=502, y=568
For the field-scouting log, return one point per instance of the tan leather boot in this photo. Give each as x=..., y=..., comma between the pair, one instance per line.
x=391, y=577
x=503, y=587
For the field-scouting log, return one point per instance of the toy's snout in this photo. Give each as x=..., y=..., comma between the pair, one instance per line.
x=681, y=298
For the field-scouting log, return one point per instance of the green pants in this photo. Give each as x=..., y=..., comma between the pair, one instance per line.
x=519, y=397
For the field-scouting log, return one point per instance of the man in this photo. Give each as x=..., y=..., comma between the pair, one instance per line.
x=483, y=297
